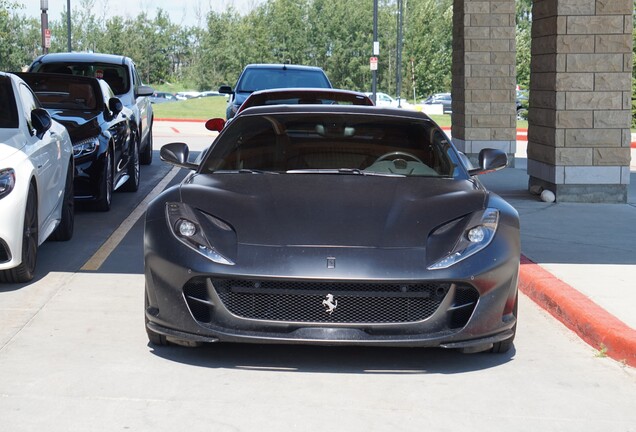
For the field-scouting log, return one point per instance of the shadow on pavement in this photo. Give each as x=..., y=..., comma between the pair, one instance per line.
x=321, y=359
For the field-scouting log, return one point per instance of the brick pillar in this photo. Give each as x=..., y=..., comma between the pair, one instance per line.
x=484, y=76
x=580, y=99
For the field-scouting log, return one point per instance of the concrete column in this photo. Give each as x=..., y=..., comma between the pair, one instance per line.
x=580, y=99
x=484, y=76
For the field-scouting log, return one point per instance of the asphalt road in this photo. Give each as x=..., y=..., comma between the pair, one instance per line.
x=74, y=357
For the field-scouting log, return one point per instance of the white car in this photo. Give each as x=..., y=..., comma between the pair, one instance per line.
x=36, y=180
x=383, y=99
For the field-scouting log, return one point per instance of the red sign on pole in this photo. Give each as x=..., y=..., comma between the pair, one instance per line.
x=47, y=38
x=373, y=63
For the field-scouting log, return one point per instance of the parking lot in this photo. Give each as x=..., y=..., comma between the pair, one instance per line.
x=74, y=357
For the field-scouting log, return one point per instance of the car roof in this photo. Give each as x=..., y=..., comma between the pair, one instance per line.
x=327, y=109
x=311, y=95
x=82, y=57
x=281, y=66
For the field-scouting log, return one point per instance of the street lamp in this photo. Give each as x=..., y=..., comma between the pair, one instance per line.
x=376, y=50
x=68, y=25
x=398, y=68
x=46, y=35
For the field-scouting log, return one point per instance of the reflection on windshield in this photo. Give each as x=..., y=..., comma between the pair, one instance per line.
x=334, y=143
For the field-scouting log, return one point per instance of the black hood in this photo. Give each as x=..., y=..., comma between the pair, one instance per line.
x=80, y=124
x=329, y=210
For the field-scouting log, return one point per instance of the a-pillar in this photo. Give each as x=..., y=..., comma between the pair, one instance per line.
x=580, y=99
x=484, y=76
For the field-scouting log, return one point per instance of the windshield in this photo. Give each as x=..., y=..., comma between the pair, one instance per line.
x=332, y=143
x=60, y=92
x=115, y=75
x=262, y=78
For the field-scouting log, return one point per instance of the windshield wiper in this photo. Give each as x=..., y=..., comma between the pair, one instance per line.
x=350, y=171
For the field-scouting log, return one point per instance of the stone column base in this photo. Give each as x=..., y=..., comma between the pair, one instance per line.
x=582, y=193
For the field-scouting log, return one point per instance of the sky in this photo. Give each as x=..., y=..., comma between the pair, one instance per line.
x=182, y=12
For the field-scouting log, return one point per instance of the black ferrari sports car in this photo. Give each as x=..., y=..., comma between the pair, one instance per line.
x=325, y=224
x=104, y=146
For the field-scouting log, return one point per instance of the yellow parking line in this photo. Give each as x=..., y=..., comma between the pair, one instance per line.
x=96, y=261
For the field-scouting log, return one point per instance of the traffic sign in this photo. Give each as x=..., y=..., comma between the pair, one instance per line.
x=373, y=63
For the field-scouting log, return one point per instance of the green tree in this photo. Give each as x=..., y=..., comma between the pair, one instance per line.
x=428, y=37
x=20, y=38
x=523, y=41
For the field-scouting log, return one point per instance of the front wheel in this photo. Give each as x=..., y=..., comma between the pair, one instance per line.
x=505, y=345
x=145, y=156
x=106, y=185
x=26, y=270
x=132, y=184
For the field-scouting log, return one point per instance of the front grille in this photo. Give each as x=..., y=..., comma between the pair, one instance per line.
x=309, y=302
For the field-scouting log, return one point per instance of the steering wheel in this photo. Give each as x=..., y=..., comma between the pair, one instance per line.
x=402, y=155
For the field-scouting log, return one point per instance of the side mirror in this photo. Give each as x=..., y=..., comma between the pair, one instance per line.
x=490, y=160
x=225, y=89
x=144, y=90
x=215, y=124
x=41, y=121
x=115, y=106
x=177, y=154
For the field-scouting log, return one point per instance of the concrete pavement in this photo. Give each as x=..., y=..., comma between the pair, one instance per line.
x=579, y=259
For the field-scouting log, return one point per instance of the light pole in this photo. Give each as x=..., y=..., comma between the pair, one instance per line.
x=398, y=59
x=376, y=49
x=46, y=36
x=68, y=25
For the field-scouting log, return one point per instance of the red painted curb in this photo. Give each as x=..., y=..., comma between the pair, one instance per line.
x=592, y=323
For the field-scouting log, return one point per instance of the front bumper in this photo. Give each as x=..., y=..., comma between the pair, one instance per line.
x=89, y=173
x=203, y=314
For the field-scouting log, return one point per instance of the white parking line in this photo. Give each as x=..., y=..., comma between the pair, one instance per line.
x=98, y=258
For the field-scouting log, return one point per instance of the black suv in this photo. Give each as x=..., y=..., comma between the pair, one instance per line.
x=122, y=76
x=269, y=76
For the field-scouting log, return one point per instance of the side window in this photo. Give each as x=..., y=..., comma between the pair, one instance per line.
x=8, y=110
x=136, y=78
x=29, y=103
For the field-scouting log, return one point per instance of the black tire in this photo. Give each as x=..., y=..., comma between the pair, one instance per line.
x=26, y=270
x=153, y=337
x=106, y=186
x=132, y=184
x=64, y=230
x=505, y=345
x=145, y=157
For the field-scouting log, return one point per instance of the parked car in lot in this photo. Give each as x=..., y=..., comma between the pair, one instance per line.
x=122, y=76
x=185, y=95
x=104, y=145
x=269, y=76
x=383, y=99
x=522, y=104
x=330, y=224
x=443, y=99
x=161, y=97
x=295, y=96
x=36, y=180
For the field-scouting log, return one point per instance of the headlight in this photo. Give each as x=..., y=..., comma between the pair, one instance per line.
x=185, y=226
x=7, y=181
x=85, y=147
x=478, y=234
